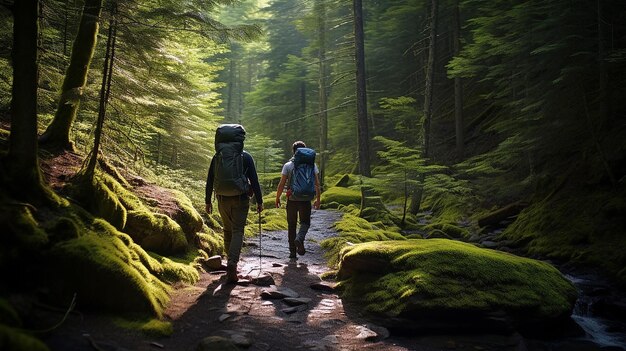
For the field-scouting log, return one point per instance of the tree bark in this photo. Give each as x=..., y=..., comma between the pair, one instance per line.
x=57, y=135
x=323, y=95
x=361, y=92
x=105, y=91
x=416, y=199
x=229, y=95
x=23, y=167
x=458, y=88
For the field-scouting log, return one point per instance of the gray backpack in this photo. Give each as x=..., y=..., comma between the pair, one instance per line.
x=230, y=179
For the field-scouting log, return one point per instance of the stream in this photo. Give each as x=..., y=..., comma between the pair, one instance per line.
x=603, y=327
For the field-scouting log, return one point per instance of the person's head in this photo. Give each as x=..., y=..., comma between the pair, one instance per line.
x=298, y=144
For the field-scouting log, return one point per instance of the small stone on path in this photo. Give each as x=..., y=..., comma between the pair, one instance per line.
x=295, y=301
x=263, y=280
x=216, y=343
x=365, y=333
x=325, y=287
x=294, y=309
x=224, y=317
x=241, y=340
x=274, y=292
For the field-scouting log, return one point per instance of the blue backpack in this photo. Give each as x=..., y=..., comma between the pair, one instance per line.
x=302, y=179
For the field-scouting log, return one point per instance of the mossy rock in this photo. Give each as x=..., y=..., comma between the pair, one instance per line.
x=346, y=180
x=210, y=241
x=272, y=219
x=342, y=196
x=353, y=229
x=16, y=340
x=435, y=230
x=100, y=199
x=156, y=232
x=187, y=216
x=584, y=227
x=107, y=272
x=423, y=279
x=375, y=211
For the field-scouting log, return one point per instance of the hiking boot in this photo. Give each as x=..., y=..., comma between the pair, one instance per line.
x=231, y=274
x=292, y=254
x=299, y=247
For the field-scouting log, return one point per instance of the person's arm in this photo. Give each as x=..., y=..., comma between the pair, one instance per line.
x=279, y=190
x=209, y=187
x=254, y=180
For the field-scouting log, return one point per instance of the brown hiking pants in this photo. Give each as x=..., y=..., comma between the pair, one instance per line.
x=234, y=212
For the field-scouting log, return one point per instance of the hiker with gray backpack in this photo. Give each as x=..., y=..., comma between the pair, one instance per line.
x=301, y=176
x=233, y=177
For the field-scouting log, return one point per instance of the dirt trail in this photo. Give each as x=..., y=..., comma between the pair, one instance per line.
x=239, y=313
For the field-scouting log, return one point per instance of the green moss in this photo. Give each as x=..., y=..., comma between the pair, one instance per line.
x=584, y=227
x=450, y=230
x=422, y=276
x=343, y=196
x=151, y=327
x=101, y=200
x=187, y=217
x=273, y=219
x=21, y=237
x=210, y=241
x=16, y=340
x=106, y=272
x=352, y=230
x=346, y=180
x=156, y=232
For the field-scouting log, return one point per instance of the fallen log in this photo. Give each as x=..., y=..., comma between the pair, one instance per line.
x=501, y=214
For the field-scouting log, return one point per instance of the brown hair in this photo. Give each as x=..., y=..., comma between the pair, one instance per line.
x=298, y=144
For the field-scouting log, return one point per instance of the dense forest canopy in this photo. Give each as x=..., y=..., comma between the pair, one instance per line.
x=460, y=112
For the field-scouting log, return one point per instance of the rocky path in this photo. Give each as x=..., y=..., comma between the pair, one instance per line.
x=254, y=317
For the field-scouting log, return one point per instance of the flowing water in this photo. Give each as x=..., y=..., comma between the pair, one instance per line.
x=600, y=330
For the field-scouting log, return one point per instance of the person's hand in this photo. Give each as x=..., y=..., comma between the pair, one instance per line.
x=259, y=208
x=316, y=204
x=209, y=208
x=278, y=202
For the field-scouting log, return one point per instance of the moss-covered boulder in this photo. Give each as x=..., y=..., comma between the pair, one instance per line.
x=186, y=215
x=340, y=196
x=108, y=271
x=438, y=282
x=156, y=232
x=346, y=180
x=353, y=229
x=584, y=226
x=446, y=230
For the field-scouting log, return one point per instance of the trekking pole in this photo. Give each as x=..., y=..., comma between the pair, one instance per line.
x=260, y=247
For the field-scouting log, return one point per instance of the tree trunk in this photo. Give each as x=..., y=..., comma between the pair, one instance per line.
x=416, y=199
x=57, y=135
x=105, y=91
x=458, y=88
x=361, y=92
x=323, y=95
x=229, y=95
x=25, y=176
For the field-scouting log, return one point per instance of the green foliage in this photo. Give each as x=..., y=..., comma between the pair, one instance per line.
x=335, y=196
x=414, y=277
x=578, y=227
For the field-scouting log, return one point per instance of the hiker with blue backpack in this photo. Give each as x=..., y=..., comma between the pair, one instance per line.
x=233, y=177
x=301, y=177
